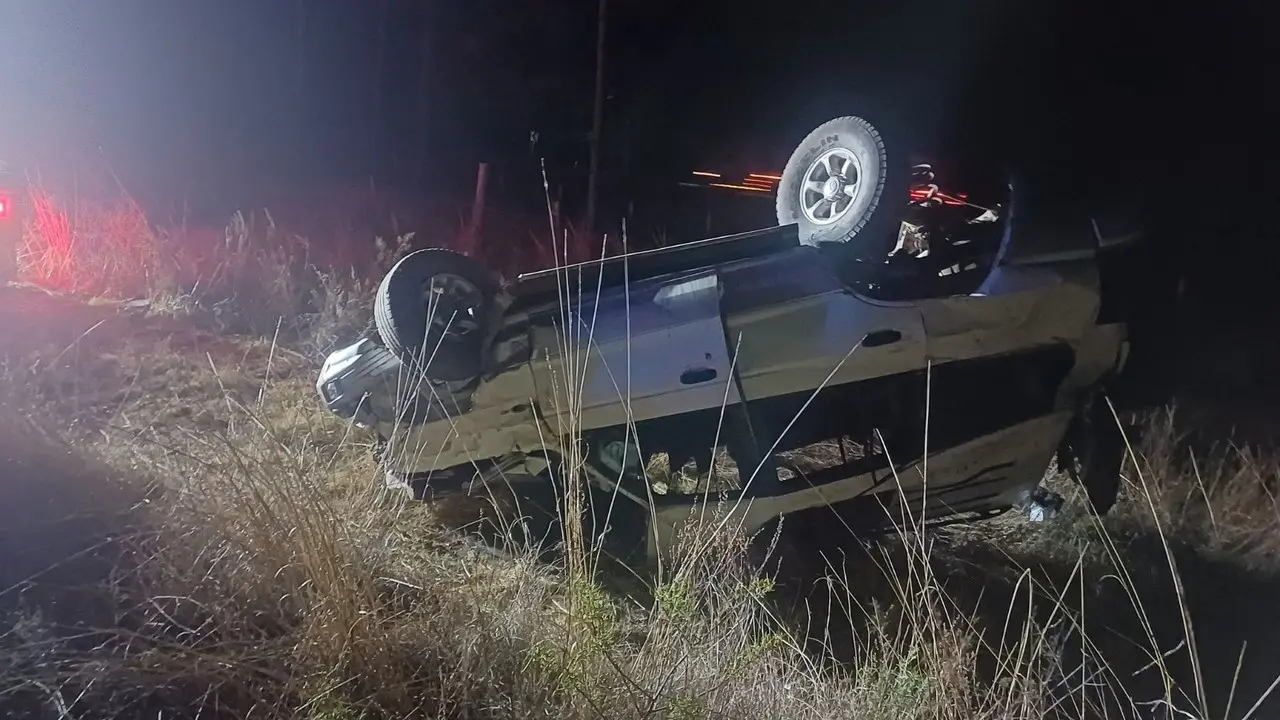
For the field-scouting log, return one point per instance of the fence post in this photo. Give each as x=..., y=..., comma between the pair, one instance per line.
x=476, y=224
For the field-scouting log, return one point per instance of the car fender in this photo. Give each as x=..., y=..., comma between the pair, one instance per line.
x=656, y=348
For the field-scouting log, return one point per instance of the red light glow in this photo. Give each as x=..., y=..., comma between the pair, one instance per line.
x=764, y=176
x=5, y=207
x=926, y=193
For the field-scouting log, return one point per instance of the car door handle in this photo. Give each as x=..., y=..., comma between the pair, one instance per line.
x=877, y=338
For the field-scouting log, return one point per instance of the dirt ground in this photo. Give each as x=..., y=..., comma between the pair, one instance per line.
x=81, y=364
x=38, y=324
x=33, y=321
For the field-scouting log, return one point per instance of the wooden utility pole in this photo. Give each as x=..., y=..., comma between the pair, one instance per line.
x=373, y=138
x=300, y=48
x=597, y=120
x=424, y=103
x=475, y=227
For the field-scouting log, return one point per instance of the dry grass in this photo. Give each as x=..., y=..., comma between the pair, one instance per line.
x=238, y=560
x=264, y=576
x=185, y=533
x=250, y=278
x=1219, y=500
x=253, y=276
x=89, y=248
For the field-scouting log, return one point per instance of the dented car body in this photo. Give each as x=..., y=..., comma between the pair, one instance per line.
x=741, y=352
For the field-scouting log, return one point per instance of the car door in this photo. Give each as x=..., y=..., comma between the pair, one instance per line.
x=650, y=350
x=794, y=328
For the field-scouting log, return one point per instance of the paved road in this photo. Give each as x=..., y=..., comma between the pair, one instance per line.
x=54, y=507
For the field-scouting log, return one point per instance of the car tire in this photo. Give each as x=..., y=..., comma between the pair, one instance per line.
x=877, y=187
x=445, y=341
x=1093, y=452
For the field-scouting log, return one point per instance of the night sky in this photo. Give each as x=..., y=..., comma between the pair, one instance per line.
x=230, y=98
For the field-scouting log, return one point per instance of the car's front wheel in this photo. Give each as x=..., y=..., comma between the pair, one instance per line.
x=432, y=310
x=846, y=183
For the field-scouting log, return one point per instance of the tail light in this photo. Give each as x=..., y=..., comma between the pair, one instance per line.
x=6, y=206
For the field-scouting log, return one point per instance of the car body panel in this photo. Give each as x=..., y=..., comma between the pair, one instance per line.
x=792, y=327
x=653, y=350
x=816, y=340
x=991, y=471
x=695, y=330
x=1022, y=307
x=502, y=419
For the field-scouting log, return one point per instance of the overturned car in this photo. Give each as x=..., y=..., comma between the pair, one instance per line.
x=891, y=347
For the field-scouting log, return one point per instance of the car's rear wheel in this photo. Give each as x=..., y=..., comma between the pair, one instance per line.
x=432, y=309
x=845, y=183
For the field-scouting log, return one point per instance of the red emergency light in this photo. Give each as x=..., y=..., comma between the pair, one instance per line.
x=6, y=207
